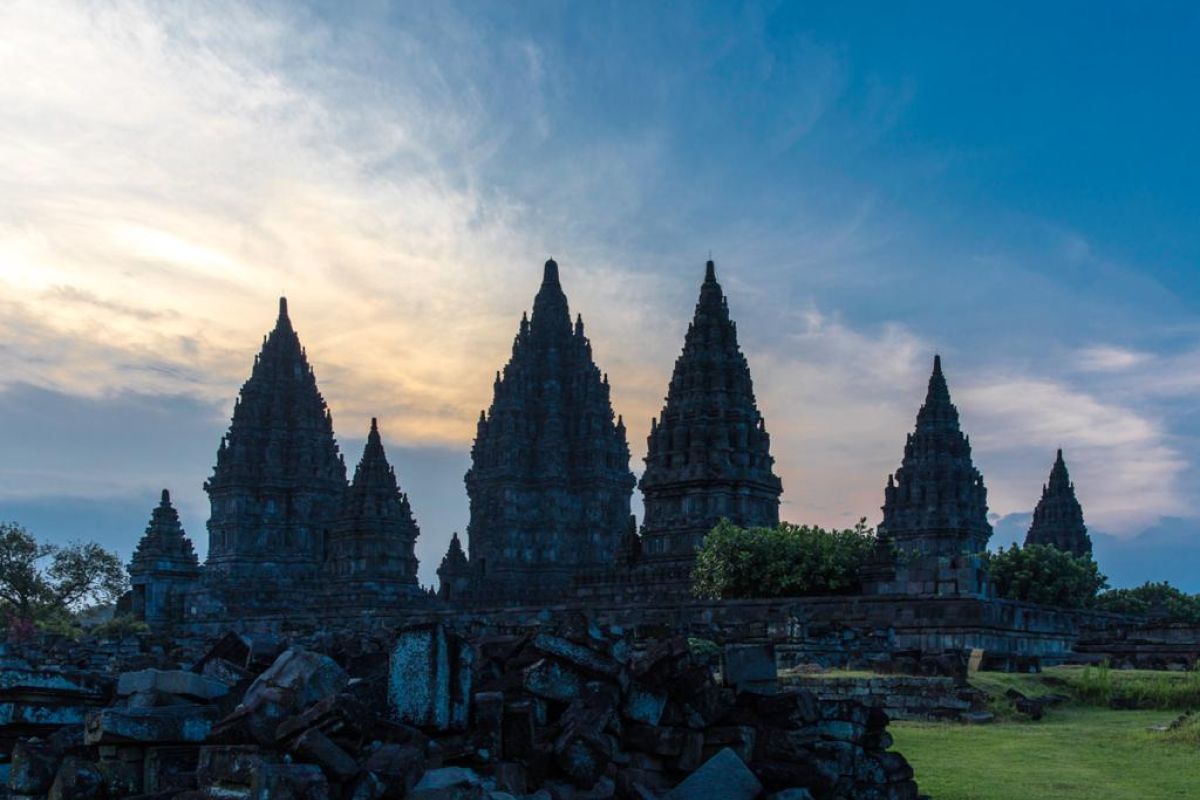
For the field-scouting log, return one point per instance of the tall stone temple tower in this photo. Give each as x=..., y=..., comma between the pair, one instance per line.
x=164, y=566
x=549, y=483
x=279, y=479
x=373, y=539
x=935, y=526
x=709, y=454
x=1058, y=518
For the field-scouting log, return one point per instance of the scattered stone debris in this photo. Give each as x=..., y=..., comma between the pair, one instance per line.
x=570, y=713
x=1034, y=707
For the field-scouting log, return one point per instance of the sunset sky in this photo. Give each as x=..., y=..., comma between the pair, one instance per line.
x=1015, y=186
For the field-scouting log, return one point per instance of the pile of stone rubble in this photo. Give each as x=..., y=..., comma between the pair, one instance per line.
x=569, y=714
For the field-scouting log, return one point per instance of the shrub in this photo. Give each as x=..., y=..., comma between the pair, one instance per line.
x=1039, y=573
x=1158, y=600
x=784, y=561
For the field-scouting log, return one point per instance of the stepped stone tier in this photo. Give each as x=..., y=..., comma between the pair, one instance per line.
x=1058, y=518
x=549, y=483
x=709, y=454
x=163, y=566
x=935, y=527
x=375, y=534
x=279, y=479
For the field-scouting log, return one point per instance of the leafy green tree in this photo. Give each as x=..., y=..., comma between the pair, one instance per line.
x=39, y=582
x=785, y=561
x=1158, y=600
x=1040, y=573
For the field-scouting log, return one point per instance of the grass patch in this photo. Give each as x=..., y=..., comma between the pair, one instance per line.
x=1075, y=753
x=1101, y=686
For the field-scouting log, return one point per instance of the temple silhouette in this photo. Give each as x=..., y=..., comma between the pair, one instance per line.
x=550, y=490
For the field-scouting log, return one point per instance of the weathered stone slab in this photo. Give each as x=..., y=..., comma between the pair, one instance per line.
x=167, y=724
x=448, y=783
x=722, y=777
x=750, y=667
x=177, y=682
x=289, y=782
x=429, y=681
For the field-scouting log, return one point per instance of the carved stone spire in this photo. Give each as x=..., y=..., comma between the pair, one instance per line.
x=279, y=478
x=709, y=452
x=374, y=537
x=1058, y=518
x=163, y=566
x=937, y=503
x=454, y=574
x=164, y=547
x=549, y=483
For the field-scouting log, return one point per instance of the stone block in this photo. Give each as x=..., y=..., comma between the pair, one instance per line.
x=429, y=681
x=289, y=782
x=448, y=783
x=231, y=765
x=169, y=769
x=176, y=682
x=644, y=705
x=77, y=779
x=750, y=668
x=316, y=747
x=722, y=777
x=33, y=767
x=173, y=724
x=395, y=769
x=577, y=655
x=553, y=681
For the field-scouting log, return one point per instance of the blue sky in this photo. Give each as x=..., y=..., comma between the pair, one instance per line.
x=1012, y=185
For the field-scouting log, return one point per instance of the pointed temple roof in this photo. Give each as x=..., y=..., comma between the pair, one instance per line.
x=455, y=560
x=279, y=450
x=164, y=547
x=549, y=481
x=376, y=531
x=936, y=501
x=1058, y=517
x=710, y=443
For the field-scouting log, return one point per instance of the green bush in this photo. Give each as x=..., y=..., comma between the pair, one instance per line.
x=1158, y=600
x=119, y=626
x=785, y=561
x=1040, y=573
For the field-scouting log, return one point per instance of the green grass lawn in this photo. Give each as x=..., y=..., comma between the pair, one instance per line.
x=1078, y=750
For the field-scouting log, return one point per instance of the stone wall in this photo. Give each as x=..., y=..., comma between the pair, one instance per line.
x=901, y=696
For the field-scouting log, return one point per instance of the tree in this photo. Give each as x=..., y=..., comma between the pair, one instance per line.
x=39, y=581
x=1160, y=601
x=784, y=561
x=1041, y=573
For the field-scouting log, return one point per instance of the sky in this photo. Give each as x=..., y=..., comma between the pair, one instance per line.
x=1012, y=185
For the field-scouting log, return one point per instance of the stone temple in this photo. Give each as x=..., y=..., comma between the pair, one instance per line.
x=1058, y=517
x=550, y=492
x=709, y=454
x=164, y=566
x=935, y=526
x=549, y=484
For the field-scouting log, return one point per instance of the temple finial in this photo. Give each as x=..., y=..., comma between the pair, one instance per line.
x=166, y=497
x=283, y=312
x=710, y=271
x=550, y=275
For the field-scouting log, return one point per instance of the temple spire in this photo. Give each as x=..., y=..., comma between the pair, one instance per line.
x=1058, y=517
x=709, y=452
x=279, y=477
x=549, y=483
x=375, y=533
